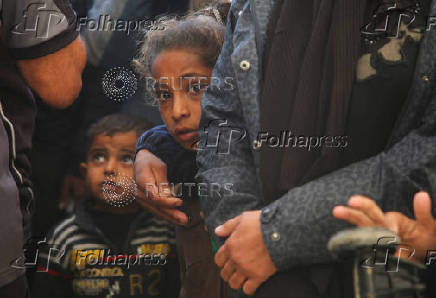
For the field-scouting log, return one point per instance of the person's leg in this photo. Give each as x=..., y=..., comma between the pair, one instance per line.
x=332, y=280
x=16, y=289
x=200, y=275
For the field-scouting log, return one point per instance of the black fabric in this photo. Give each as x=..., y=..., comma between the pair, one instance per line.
x=320, y=281
x=50, y=159
x=45, y=45
x=377, y=100
x=312, y=86
x=270, y=35
x=308, y=82
x=49, y=47
x=428, y=277
x=81, y=7
x=113, y=226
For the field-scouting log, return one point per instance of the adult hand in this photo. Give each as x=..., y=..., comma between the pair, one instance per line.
x=419, y=233
x=73, y=188
x=152, y=188
x=243, y=258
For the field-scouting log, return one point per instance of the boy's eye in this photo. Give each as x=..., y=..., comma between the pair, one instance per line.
x=127, y=159
x=98, y=158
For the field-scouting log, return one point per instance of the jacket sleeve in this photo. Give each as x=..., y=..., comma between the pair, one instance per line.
x=301, y=220
x=224, y=157
x=180, y=162
x=158, y=141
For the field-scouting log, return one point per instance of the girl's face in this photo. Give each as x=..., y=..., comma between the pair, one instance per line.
x=181, y=77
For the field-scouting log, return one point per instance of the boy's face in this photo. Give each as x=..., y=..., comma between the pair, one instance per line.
x=181, y=79
x=109, y=166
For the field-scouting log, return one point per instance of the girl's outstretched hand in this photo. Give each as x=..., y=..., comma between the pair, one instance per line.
x=150, y=177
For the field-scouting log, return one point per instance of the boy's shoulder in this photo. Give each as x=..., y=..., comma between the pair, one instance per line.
x=63, y=230
x=67, y=240
x=55, y=247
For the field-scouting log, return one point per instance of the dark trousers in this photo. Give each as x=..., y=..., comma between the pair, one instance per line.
x=315, y=281
x=16, y=289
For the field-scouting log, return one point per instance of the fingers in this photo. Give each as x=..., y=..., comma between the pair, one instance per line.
x=150, y=174
x=368, y=207
x=362, y=212
x=354, y=217
x=168, y=202
x=159, y=213
x=250, y=286
x=227, y=228
x=393, y=221
x=172, y=215
x=162, y=202
x=340, y=212
x=160, y=173
x=153, y=192
x=228, y=269
x=422, y=209
x=236, y=280
x=144, y=180
x=222, y=256
x=177, y=216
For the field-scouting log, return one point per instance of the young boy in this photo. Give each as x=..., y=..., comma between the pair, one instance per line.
x=109, y=247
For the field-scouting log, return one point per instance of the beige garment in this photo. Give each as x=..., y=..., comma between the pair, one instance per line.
x=198, y=4
x=200, y=276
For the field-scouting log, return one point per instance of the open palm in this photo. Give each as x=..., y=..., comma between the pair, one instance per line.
x=419, y=233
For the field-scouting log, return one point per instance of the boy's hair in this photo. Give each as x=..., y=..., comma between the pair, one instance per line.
x=116, y=123
x=201, y=32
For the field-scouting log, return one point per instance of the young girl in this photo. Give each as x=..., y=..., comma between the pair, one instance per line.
x=179, y=61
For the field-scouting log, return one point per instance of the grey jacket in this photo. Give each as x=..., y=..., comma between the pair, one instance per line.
x=297, y=226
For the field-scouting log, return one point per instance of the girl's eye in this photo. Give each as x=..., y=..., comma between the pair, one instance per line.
x=127, y=159
x=98, y=158
x=163, y=96
x=197, y=88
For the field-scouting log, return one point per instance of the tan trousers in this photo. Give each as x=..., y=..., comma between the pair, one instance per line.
x=200, y=276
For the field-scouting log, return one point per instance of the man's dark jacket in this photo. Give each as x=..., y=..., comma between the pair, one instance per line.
x=297, y=226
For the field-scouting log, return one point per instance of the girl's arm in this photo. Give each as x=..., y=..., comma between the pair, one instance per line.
x=159, y=159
